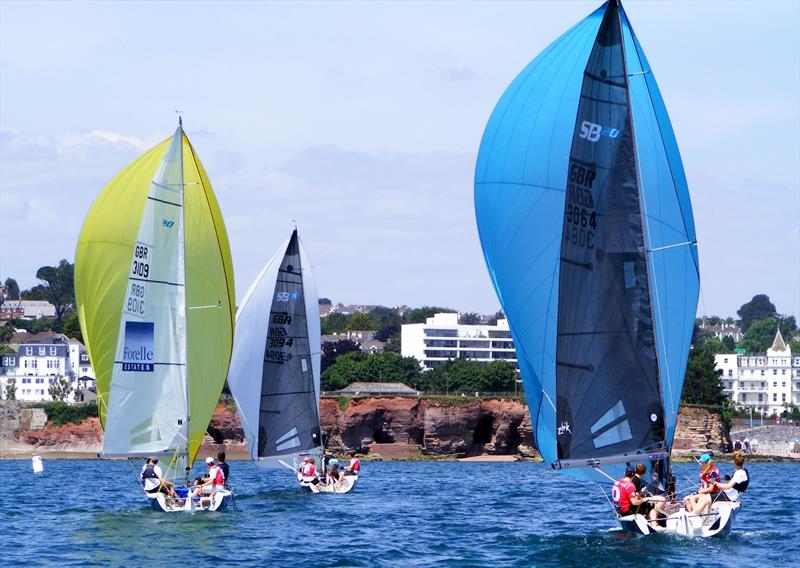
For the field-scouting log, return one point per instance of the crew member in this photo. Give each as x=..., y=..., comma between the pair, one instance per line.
x=153, y=479
x=708, y=492
x=223, y=465
x=626, y=501
x=354, y=466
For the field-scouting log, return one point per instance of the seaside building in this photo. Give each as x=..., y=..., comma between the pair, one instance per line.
x=442, y=338
x=27, y=309
x=38, y=364
x=764, y=383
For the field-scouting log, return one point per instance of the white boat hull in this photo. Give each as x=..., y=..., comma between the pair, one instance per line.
x=717, y=522
x=163, y=503
x=345, y=485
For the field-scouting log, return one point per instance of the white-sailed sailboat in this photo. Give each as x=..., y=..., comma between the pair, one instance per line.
x=275, y=369
x=155, y=297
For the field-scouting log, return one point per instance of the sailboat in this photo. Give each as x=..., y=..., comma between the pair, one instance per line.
x=275, y=368
x=586, y=225
x=155, y=298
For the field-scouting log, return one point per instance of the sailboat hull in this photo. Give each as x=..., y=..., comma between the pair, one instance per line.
x=219, y=501
x=717, y=522
x=344, y=486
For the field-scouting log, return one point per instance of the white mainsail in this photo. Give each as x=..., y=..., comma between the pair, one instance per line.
x=275, y=366
x=148, y=409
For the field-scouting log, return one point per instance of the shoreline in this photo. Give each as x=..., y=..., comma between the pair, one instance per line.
x=236, y=454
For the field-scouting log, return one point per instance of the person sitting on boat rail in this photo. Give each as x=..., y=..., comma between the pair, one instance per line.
x=728, y=491
x=308, y=469
x=211, y=483
x=226, y=469
x=153, y=479
x=334, y=474
x=627, y=501
x=708, y=492
x=637, y=479
x=354, y=466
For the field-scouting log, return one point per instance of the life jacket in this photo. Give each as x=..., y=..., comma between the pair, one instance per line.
x=621, y=492
x=708, y=478
x=355, y=465
x=149, y=472
x=308, y=470
x=741, y=486
x=216, y=475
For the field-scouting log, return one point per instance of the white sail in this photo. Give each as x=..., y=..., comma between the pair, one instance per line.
x=276, y=383
x=148, y=410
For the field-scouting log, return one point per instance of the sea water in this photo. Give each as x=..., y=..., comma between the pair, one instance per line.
x=399, y=514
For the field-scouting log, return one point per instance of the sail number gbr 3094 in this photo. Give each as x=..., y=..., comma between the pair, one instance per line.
x=278, y=338
x=580, y=219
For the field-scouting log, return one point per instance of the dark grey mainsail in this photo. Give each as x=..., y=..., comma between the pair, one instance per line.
x=607, y=382
x=288, y=420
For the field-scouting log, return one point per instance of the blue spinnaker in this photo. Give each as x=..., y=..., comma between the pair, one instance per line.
x=520, y=186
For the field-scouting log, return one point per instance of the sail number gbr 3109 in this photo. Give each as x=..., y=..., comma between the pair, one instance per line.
x=141, y=261
x=580, y=219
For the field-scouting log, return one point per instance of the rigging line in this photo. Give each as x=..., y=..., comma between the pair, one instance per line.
x=217, y=305
x=550, y=400
x=164, y=201
x=155, y=281
x=665, y=247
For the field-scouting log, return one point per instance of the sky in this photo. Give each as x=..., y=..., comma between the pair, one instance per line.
x=360, y=122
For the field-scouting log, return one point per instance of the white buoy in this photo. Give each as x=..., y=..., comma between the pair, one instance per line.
x=38, y=464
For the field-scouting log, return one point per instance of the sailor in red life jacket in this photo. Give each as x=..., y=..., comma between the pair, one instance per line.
x=709, y=476
x=354, y=466
x=309, y=470
x=210, y=484
x=624, y=494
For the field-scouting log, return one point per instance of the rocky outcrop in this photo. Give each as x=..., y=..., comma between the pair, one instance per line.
x=88, y=433
x=700, y=428
x=447, y=427
x=225, y=427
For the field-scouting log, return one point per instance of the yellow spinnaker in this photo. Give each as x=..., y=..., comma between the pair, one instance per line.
x=102, y=266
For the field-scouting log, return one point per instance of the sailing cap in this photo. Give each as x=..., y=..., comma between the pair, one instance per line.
x=209, y=460
x=705, y=458
x=629, y=471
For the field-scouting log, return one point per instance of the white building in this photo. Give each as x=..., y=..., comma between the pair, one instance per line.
x=767, y=383
x=441, y=339
x=37, y=365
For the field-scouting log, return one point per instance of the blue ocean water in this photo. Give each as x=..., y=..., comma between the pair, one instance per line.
x=399, y=514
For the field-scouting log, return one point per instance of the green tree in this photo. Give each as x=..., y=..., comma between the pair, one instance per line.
x=5, y=348
x=6, y=333
x=760, y=335
x=469, y=318
x=457, y=375
x=331, y=350
x=324, y=301
x=756, y=309
x=35, y=293
x=715, y=346
x=333, y=323
x=729, y=343
x=702, y=383
x=32, y=326
x=499, y=376
x=497, y=315
x=11, y=391
x=58, y=286
x=419, y=315
x=71, y=326
x=359, y=321
x=60, y=389
x=376, y=367
x=12, y=289
x=392, y=344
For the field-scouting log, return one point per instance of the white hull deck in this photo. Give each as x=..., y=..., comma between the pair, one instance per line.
x=164, y=503
x=345, y=485
x=717, y=522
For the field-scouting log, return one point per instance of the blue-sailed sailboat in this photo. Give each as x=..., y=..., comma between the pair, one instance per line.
x=586, y=225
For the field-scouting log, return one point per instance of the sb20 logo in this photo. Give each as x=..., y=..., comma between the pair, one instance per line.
x=592, y=132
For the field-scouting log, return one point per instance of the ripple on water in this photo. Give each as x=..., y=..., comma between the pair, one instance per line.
x=400, y=514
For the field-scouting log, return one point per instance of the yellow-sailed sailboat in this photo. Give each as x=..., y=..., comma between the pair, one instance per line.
x=155, y=297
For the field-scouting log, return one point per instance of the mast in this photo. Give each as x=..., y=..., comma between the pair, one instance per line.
x=182, y=245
